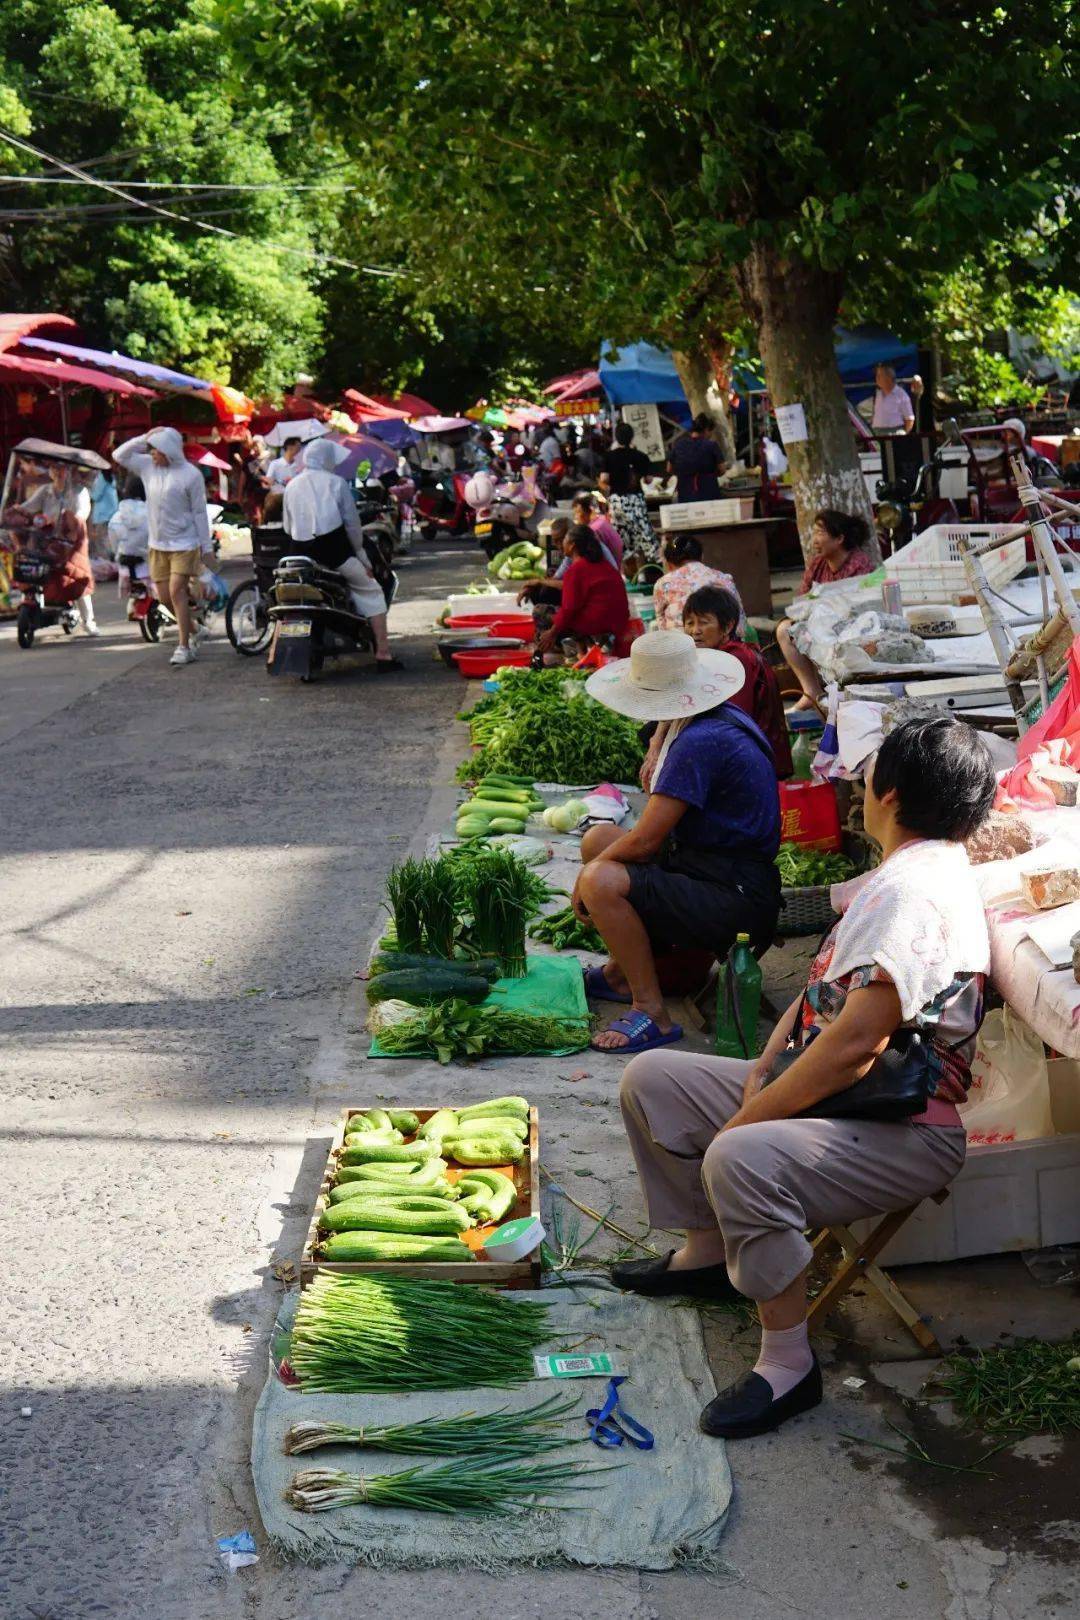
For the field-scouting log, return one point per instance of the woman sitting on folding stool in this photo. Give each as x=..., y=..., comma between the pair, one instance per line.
x=851, y=1109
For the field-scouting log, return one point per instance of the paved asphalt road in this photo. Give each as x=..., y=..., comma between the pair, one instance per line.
x=191, y=869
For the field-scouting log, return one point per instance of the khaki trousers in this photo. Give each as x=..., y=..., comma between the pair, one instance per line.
x=763, y=1185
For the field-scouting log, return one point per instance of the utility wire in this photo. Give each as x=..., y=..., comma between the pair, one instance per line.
x=176, y=185
x=186, y=219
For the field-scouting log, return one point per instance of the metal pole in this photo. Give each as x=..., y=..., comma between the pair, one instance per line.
x=63, y=415
x=999, y=635
x=1044, y=539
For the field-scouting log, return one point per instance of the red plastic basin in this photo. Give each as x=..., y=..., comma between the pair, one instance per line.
x=476, y=666
x=514, y=624
x=473, y=621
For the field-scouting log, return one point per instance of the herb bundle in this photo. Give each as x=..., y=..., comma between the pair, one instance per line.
x=544, y=722
x=373, y=1334
x=454, y=1487
x=454, y=1030
x=423, y=904
x=505, y=1433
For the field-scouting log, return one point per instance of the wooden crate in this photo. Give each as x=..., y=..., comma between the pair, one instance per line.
x=500, y=1274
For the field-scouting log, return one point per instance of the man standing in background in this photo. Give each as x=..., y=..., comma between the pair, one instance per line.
x=893, y=410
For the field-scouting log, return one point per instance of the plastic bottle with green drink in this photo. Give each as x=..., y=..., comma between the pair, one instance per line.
x=738, y=1002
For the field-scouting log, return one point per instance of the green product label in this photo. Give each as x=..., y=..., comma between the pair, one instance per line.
x=598, y=1365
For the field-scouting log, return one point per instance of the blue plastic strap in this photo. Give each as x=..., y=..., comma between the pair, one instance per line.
x=611, y=1424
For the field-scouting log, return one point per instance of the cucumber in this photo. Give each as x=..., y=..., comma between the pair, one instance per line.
x=497, y=1105
x=364, y=1215
x=484, y=1149
x=403, y=1119
x=420, y=988
x=440, y=1124
x=504, y=824
x=390, y=1247
x=401, y=961
x=388, y=1193
x=492, y=1125
x=360, y=1152
x=416, y=1177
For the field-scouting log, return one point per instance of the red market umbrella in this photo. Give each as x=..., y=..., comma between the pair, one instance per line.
x=57, y=373
x=205, y=458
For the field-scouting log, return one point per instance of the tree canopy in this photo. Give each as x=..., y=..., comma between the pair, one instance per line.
x=140, y=90
x=693, y=166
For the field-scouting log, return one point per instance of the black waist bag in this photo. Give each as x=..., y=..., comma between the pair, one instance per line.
x=896, y=1085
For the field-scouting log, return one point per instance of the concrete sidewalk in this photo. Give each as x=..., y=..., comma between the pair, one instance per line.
x=193, y=866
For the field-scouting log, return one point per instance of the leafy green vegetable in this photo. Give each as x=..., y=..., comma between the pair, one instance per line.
x=455, y=1030
x=802, y=868
x=544, y=722
x=566, y=932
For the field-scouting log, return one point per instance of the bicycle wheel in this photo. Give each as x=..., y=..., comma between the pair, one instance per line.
x=246, y=622
x=150, y=624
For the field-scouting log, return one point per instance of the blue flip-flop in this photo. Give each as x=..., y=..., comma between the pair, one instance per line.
x=597, y=987
x=643, y=1032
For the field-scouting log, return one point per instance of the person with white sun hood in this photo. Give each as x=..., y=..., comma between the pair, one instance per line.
x=322, y=522
x=178, y=522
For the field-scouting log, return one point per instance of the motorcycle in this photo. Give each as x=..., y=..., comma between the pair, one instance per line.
x=31, y=573
x=311, y=616
x=441, y=505
x=505, y=512
x=908, y=504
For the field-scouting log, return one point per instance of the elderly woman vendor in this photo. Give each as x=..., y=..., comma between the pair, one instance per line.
x=746, y=1156
x=698, y=867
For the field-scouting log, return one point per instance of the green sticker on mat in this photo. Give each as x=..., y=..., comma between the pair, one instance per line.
x=598, y=1365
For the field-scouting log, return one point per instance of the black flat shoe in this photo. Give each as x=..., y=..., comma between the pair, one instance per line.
x=749, y=1407
x=387, y=666
x=654, y=1277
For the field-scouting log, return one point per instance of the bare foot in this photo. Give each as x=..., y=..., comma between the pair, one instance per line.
x=614, y=1040
x=615, y=977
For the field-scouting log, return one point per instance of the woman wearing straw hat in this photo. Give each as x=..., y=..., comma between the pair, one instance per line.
x=698, y=867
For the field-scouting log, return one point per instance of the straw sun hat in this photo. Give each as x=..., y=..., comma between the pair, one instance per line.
x=666, y=678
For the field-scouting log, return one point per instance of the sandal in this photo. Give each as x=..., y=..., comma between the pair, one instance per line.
x=643, y=1035
x=597, y=987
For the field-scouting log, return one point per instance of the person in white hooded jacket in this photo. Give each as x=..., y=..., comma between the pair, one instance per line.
x=179, y=525
x=321, y=521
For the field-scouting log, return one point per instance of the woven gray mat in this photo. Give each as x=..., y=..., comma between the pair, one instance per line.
x=660, y=1509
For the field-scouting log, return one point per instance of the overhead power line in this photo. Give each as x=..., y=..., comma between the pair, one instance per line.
x=186, y=219
x=179, y=185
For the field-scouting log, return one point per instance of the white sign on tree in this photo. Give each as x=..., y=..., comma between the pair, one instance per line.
x=645, y=421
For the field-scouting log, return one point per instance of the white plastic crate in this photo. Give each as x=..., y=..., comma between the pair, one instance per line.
x=706, y=514
x=930, y=567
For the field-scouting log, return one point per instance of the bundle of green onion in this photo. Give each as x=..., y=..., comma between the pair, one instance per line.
x=371, y=1334
x=423, y=903
x=502, y=1434
x=500, y=893
x=455, y=1487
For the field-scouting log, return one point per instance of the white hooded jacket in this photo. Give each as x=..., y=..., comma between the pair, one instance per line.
x=175, y=495
x=318, y=500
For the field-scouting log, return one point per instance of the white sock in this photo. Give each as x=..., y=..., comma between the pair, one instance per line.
x=785, y=1357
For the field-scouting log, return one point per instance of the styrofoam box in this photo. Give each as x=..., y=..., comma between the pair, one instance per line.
x=1008, y=1197
x=706, y=514
x=499, y=602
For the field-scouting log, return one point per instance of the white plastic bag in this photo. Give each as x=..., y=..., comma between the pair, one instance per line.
x=1009, y=1100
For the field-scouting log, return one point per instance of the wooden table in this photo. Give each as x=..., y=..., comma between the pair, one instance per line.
x=742, y=550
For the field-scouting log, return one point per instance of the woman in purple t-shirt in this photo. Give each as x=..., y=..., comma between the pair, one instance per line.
x=696, y=462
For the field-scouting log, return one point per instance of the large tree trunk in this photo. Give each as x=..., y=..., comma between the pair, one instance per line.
x=794, y=305
x=698, y=375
